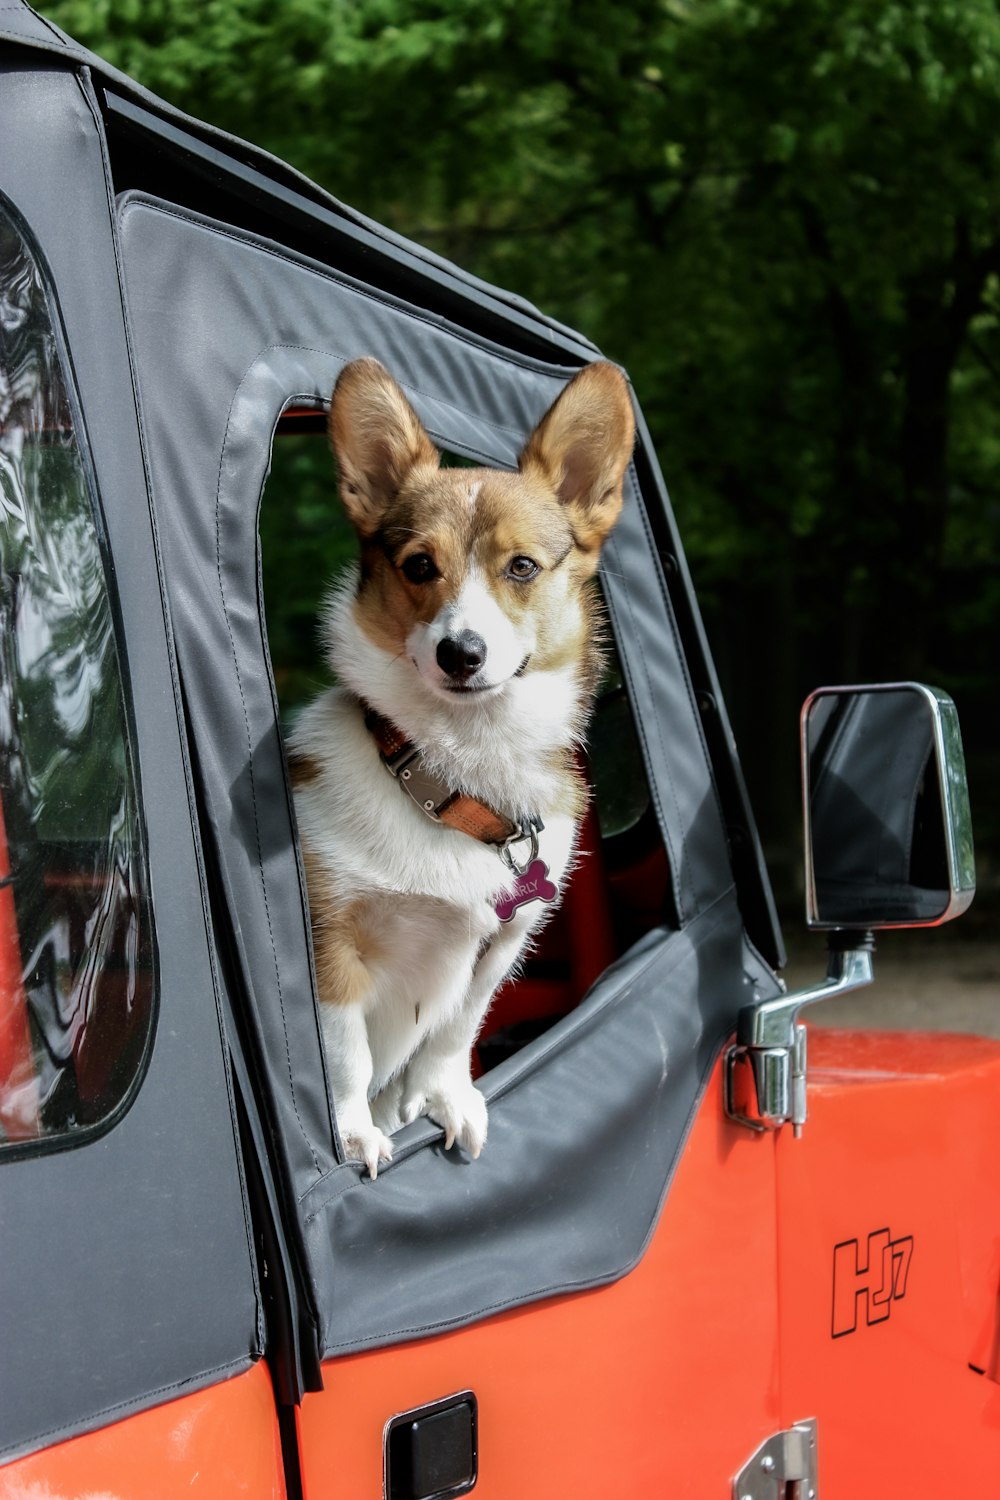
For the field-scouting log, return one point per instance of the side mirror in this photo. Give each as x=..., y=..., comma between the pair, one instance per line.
x=888, y=844
x=888, y=826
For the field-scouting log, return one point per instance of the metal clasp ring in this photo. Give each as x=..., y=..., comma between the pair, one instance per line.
x=518, y=837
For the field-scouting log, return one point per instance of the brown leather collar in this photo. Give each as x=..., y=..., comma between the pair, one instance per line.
x=439, y=801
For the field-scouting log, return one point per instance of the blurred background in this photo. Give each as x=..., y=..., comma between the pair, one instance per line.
x=782, y=217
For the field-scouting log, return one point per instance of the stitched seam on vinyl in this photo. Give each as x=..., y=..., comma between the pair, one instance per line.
x=9, y=10
x=548, y=1047
x=338, y=357
x=534, y=365
x=682, y=661
x=537, y=1060
x=680, y=658
x=677, y=865
x=684, y=875
x=680, y=874
x=338, y=1150
x=403, y=309
x=253, y=785
x=600, y=1279
x=192, y=1383
x=603, y=1278
x=410, y=312
x=89, y=98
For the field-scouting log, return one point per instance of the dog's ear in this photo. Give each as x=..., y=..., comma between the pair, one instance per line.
x=377, y=438
x=582, y=446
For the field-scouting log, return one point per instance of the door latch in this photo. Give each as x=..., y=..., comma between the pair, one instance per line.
x=783, y=1468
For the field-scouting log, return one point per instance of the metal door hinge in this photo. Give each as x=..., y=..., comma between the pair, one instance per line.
x=783, y=1468
x=770, y=1046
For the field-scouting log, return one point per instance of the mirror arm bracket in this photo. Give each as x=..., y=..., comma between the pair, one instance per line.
x=771, y=1040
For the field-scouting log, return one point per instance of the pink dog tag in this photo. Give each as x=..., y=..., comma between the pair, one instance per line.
x=533, y=885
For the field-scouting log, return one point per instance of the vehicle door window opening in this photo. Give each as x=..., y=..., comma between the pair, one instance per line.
x=620, y=888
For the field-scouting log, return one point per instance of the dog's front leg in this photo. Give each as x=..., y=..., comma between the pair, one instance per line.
x=438, y=1078
x=438, y=1083
x=349, y=1062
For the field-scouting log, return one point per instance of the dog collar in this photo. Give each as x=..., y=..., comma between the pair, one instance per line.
x=443, y=804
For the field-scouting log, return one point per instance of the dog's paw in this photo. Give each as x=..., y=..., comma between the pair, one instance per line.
x=454, y=1104
x=364, y=1142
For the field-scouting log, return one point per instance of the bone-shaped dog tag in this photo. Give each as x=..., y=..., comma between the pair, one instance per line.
x=533, y=885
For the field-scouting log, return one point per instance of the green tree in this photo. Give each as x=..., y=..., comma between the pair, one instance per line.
x=783, y=216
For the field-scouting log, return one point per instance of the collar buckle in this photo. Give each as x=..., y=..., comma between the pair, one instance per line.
x=427, y=791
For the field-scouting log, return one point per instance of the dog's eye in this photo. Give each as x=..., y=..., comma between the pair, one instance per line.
x=521, y=568
x=419, y=568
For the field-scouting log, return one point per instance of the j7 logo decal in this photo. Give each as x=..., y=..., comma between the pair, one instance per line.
x=875, y=1284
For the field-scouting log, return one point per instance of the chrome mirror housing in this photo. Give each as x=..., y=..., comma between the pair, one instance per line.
x=886, y=804
x=888, y=844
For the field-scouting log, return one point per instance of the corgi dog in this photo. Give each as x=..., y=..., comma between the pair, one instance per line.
x=436, y=787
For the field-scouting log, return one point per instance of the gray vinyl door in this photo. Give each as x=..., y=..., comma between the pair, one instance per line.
x=229, y=330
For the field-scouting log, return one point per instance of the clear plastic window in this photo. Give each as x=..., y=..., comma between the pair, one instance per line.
x=76, y=965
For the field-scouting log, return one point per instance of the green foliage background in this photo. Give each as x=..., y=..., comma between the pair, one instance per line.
x=783, y=217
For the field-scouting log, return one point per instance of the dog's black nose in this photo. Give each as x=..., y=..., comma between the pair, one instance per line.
x=462, y=655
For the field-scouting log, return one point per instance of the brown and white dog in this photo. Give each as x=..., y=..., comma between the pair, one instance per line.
x=466, y=648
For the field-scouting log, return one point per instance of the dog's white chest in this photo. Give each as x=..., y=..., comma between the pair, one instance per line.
x=432, y=949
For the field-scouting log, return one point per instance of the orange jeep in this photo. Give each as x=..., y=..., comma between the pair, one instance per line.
x=684, y=1265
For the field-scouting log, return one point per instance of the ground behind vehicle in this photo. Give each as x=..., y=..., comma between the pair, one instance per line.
x=197, y=1290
